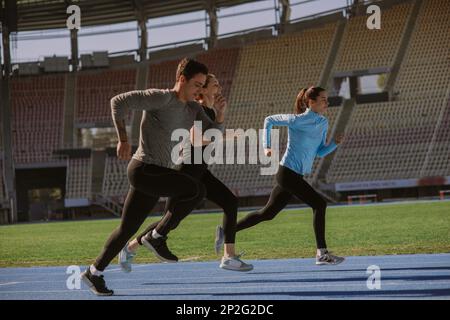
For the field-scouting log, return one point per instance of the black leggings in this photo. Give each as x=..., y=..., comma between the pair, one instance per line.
x=290, y=183
x=216, y=192
x=148, y=183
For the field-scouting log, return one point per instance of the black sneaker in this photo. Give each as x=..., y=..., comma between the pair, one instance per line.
x=96, y=283
x=159, y=248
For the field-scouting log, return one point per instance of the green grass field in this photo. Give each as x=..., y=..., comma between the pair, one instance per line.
x=369, y=230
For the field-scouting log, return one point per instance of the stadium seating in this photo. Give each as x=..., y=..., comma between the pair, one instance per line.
x=222, y=63
x=267, y=80
x=115, y=182
x=94, y=90
x=37, y=117
x=425, y=70
x=408, y=137
x=393, y=140
x=438, y=162
x=385, y=141
x=162, y=75
x=362, y=48
x=79, y=178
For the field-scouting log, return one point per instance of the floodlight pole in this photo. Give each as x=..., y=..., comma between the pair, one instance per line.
x=285, y=14
x=74, y=49
x=211, y=9
x=142, y=20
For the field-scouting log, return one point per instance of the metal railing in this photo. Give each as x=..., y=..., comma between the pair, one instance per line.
x=108, y=203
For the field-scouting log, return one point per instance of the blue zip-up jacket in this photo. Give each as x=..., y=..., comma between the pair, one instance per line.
x=306, y=138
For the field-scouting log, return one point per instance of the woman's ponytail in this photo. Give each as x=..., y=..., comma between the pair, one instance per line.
x=300, y=102
x=306, y=94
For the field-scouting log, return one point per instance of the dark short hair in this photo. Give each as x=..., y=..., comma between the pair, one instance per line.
x=189, y=68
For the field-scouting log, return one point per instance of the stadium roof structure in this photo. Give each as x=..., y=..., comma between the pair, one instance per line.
x=52, y=14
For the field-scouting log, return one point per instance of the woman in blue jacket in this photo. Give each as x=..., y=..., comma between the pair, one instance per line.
x=306, y=139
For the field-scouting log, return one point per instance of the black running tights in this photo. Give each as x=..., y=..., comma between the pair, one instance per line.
x=290, y=183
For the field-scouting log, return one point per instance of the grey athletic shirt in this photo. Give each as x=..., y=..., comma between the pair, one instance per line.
x=162, y=114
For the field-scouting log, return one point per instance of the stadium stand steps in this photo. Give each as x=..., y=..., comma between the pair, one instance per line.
x=107, y=203
x=69, y=111
x=342, y=121
x=406, y=37
x=98, y=170
x=408, y=137
x=337, y=39
x=438, y=147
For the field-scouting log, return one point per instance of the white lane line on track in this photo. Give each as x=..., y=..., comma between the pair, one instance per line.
x=10, y=283
x=138, y=266
x=256, y=276
x=249, y=277
x=173, y=267
x=272, y=287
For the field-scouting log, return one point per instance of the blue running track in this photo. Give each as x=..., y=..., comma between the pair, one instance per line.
x=402, y=277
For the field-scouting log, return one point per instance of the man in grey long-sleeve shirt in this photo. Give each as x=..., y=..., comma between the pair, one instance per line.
x=163, y=113
x=149, y=172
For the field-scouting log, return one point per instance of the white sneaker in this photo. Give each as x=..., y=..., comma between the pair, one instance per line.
x=328, y=258
x=235, y=264
x=126, y=259
x=218, y=242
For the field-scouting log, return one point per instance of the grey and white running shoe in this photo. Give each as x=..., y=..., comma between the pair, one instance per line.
x=328, y=259
x=235, y=264
x=126, y=259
